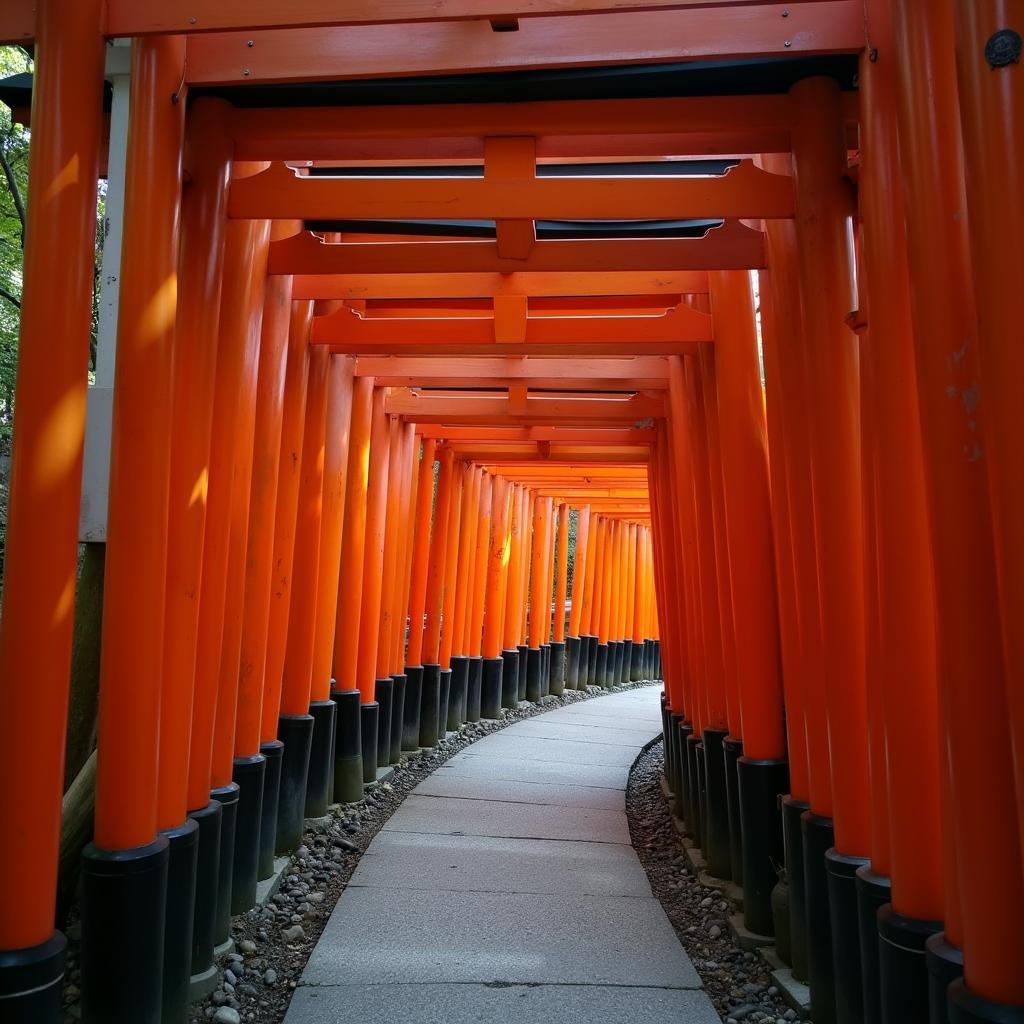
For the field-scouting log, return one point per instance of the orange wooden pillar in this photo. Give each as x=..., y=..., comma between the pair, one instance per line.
x=494, y=618
x=325, y=710
x=980, y=823
x=475, y=618
x=906, y=672
x=795, y=556
x=513, y=653
x=823, y=206
x=296, y=724
x=605, y=655
x=560, y=563
x=430, y=701
x=127, y=812
x=599, y=655
x=762, y=771
x=411, y=451
x=549, y=585
x=418, y=596
x=988, y=47
x=246, y=774
x=293, y=418
x=259, y=569
x=397, y=542
x=451, y=563
x=575, y=645
x=372, y=718
x=540, y=602
x=458, y=698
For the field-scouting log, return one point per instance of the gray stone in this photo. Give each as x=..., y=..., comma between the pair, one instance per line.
x=496, y=1003
x=468, y=787
x=481, y=765
x=270, y=976
x=293, y=934
x=465, y=937
x=226, y=1015
x=401, y=860
x=584, y=732
x=451, y=816
x=534, y=748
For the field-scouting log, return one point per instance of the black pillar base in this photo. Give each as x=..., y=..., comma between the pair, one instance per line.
x=681, y=731
x=473, y=685
x=247, y=774
x=636, y=662
x=31, y=981
x=818, y=837
x=209, y=820
x=124, y=894
x=592, y=645
x=533, y=670
x=702, y=794
x=545, y=670
x=273, y=754
x=617, y=675
x=443, y=700
x=873, y=892
x=457, y=693
x=182, y=856
x=967, y=1007
x=383, y=690
x=521, y=679
x=733, y=751
x=397, y=716
x=945, y=963
x=430, y=705
x=510, y=679
x=627, y=661
x=556, y=668
x=320, y=774
x=903, y=976
x=794, y=847
x=348, y=747
x=692, y=781
x=491, y=673
x=572, y=662
x=656, y=644
x=413, y=707
x=296, y=733
x=717, y=852
x=667, y=739
x=601, y=666
x=369, y=723
x=845, y=917
x=228, y=797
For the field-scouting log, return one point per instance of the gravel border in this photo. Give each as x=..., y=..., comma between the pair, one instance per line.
x=274, y=941
x=738, y=981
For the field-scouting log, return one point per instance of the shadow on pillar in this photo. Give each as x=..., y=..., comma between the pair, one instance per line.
x=320, y=774
x=247, y=773
x=413, y=705
x=124, y=895
x=818, y=838
x=296, y=733
x=348, y=747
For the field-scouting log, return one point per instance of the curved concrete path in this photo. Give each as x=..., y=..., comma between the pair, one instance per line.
x=505, y=889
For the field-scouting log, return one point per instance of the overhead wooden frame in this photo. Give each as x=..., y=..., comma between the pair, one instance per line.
x=527, y=437
x=488, y=285
x=640, y=373
x=279, y=193
x=730, y=247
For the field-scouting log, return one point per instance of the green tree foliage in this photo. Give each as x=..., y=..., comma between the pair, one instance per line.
x=14, y=141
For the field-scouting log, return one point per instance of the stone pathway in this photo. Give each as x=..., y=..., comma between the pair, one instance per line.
x=505, y=889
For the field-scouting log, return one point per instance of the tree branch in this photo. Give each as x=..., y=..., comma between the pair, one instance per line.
x=10, y=297
x=12, y=184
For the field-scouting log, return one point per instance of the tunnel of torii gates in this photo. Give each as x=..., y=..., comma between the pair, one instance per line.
x=324, y=305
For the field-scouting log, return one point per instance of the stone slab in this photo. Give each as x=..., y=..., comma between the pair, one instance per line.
x=469, y=787
x=516, y=769
x=380, y=937
x=439, y=815
x=584, y=733
x=580, y=714
x=535, y=748
x=498, y=1004
x=406, y=860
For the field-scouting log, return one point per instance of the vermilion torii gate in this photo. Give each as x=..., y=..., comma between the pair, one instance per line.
x=799, y=509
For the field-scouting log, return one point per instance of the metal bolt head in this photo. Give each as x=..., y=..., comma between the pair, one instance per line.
x=788, y=42
x=785, y=14
x=1003, y=48
x=250, y=43
x=192, y=20
x=246, y=72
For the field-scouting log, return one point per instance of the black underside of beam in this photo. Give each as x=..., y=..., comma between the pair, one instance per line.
x=633, y=81
x=545, y=229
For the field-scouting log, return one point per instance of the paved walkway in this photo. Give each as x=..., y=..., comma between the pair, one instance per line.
x=505, y=889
